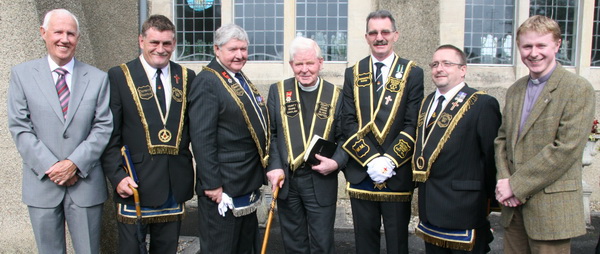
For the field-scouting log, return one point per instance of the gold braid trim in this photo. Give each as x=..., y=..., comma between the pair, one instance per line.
x=157, y=149
x=149, y=220
x=464, y=246
x=378, y=196
x=421, y=176
x=262, y=153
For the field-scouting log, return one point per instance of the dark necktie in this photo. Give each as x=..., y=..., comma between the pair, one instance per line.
x=378, y=78
x=63, y=90
x=244, y=84
x=160, y=92
x=435, y=114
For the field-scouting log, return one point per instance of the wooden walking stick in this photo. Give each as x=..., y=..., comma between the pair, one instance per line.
x=270, y=218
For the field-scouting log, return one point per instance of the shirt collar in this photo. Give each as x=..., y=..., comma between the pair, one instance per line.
x=310, y=88
x=69, y=66
x=388, y=61
x=542, y=79
x=151, y=71
x=451, y=93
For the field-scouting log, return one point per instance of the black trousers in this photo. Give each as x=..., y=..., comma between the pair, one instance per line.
x=367, y=223
x=227, y=234
x=306, y=226
x=164, y=237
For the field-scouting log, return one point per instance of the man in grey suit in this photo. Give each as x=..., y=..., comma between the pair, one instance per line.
x=539, y=147
x=60, y=121
x=299, y=108
x=230, y=140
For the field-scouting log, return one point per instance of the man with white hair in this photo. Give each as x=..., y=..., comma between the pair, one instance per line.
x=230, y=140
x=299, y=108
x=59, y=118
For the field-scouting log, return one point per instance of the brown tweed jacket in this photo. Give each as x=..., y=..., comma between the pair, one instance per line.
x=543, y=163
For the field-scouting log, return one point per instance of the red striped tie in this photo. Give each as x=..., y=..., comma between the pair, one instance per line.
x=63, y=90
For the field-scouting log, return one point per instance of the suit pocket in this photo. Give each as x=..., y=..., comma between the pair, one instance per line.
x=137, y=158
x=466, y=185
x=562, y=186
x=232, y=156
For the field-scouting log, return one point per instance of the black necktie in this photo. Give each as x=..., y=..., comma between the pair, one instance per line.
x=378, y=78
x=435, y=114
x=160, y=92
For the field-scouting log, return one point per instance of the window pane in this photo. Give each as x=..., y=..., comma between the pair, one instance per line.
x=196, y=21
x=596, y=36
x=563, y=11
x=326, y=22
x=489, y=26
x=263, y=21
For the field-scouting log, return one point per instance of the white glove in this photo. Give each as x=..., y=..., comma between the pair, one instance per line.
x=380, y=169
x=226, y=202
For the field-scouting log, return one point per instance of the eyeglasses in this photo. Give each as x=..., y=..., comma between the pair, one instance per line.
x=384, y=33
x=445, y=64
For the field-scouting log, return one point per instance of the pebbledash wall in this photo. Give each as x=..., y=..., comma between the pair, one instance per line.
x=109, y=37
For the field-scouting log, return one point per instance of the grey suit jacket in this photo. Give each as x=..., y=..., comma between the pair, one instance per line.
x=543, y=162
x=43, y=137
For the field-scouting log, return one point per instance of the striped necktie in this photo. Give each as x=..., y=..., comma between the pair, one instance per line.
x=63, y=90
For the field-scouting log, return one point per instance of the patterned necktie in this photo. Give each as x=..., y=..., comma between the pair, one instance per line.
x=378, y=77
x=435, y=114
x=63, y=90
x=160, y=92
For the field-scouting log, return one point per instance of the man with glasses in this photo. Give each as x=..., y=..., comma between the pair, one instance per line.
x=454, y=159
x=382, y=93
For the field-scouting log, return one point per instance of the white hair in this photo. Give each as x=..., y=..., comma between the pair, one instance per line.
x=302, y=43
x=61, y=11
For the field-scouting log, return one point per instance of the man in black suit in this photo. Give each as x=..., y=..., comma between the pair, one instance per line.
x=148, y=99
x=230, y=139
x=454, y=159
x=382, y=93
x=307, y=199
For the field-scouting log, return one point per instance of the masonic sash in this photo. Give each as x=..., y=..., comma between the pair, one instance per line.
x=168, y=212
x=253, y=116
x=441, y=130
x=162, y=135
x=293, y=120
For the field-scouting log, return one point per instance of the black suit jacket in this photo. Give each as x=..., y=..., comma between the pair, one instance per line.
x=463, y=177
x=226, y=154
x=405, y=120
x=325, y=187
x=159, y=174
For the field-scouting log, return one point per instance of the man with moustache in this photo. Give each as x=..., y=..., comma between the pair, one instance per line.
x=148, y=101
x=539, y=146
x=230, y=139
x=59, y=118
x=300, y=108
x=382, y=93
x=454, y=159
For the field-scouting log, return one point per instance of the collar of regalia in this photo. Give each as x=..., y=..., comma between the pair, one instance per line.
x=293, y=120
x=428, y=147
x=163, y=130
x=256, y=118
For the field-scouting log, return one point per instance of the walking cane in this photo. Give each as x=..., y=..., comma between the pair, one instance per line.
x=270, y=218
x=136, y=198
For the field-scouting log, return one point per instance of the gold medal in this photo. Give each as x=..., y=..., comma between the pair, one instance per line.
x=164, y=135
